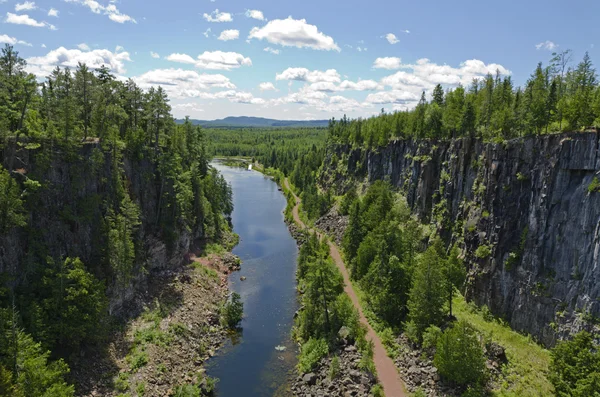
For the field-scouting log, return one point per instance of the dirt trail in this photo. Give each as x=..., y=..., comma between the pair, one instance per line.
x=386, y=369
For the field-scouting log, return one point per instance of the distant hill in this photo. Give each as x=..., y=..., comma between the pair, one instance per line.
x=244, y=121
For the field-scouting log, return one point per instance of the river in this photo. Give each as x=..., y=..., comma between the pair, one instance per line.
x=249, y=364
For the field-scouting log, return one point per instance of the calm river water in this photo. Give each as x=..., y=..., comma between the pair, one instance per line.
x=250, y=365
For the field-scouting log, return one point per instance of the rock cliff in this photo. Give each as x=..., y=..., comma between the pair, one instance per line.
x=67, y=214
x=522, y=209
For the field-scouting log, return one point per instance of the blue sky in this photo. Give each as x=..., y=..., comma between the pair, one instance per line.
x=298, y=59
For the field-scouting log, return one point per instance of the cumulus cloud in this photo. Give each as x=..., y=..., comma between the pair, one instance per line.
x=43, y=65
x=110, y=10
x=53, y=12
x=83, y=47
x=387, y=63
x=314, y=76
x=230, y=34
x=267, y=87
x=215, y=60
x=206, y=32
x=154, y=55
x=391, y=38
x=255, y=14
x=179, y=83
x=25, y=6
x=546, y=45
x=25, y=19
x=294, y=33
x=271, y=50
x=195, y=107
x=394, y=96
x=361, y=85
x=4, y=38
x=217, y=16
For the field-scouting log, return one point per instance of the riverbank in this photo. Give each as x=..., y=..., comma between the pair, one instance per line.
x=174, y=327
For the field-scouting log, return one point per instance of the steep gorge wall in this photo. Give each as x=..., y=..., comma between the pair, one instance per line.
x=66, y=216
x=526, y=199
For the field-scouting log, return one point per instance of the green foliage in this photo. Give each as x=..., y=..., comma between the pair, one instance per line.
x=594, y=186
x=377, y=391
x=483, y=251
x=12, y=212
x=311, y=353
x=233, y=311
x=334, y=368
x=74, y=304
x=427, y=295
x=431, y=336
x=556, y=97
x=121, y=382
x=574, y=370
x=137, y=359
x=459, y=355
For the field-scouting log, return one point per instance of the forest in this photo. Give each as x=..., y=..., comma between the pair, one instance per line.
x=54, y=302
x=556, y=97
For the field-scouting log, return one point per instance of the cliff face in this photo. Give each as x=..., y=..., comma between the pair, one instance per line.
x=66, y=216
x=530, y=226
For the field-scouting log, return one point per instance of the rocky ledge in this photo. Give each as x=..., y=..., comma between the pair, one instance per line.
x=348, y=380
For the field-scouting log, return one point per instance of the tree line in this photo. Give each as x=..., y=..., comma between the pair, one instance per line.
x=556, y=97
x=108, y=132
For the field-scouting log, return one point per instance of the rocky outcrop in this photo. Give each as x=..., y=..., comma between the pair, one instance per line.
x=522, y=209
x=345, y=380
x=333, y=224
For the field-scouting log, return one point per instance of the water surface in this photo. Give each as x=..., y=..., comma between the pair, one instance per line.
x=250, y=365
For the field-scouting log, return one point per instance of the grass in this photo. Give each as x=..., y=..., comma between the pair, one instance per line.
x=525, y=375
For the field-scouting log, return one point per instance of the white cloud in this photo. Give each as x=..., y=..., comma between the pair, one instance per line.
x=315, y=76
x=391, y=38
x=546, y=45
x=255, y=14
x=25, y=6
x=361, y=85
x=217, y=16
x=387, y=63
x=361, y=49
x=83, y=47
x=406, y=31
x=43, y=65
x=394, y=96
x=267, y=87
x=4, y=38
x=215, y=60
x=206, y=32
x=179, y=83
x=271, y=50
x=119, y=48
x=180, y=109
x=294, y=33
x=230, y=34
x=110, y=10
x=43, y=45
x=154, y=55
x=53, y=12
x=24, y=19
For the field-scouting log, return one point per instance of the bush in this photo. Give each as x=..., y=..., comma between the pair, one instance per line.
x=311, y=353
x=594, y=186
x=334, y=368
x=377, y=391
x=575, y=367
x=483, y=251
x=431, y=337
x=233, y=311
x=459, y=355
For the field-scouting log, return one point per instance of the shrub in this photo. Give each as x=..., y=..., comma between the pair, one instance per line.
x=431, y=336
x=310, y=354
x=594, y=186
x=483, y=251
x=459, y=356
x=233, y=310
x=377, y=391
x=334, y=368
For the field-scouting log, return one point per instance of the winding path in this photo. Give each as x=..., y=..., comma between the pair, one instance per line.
x=386, y=369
